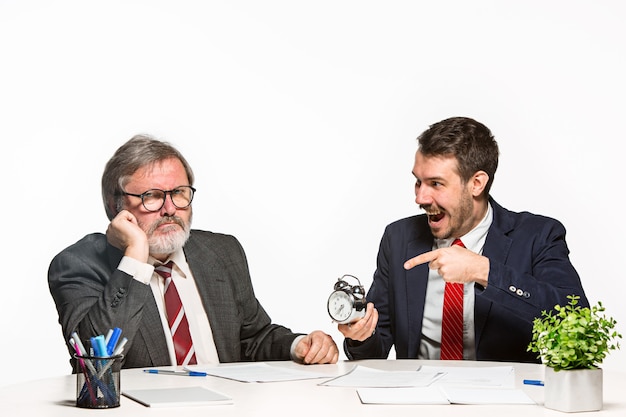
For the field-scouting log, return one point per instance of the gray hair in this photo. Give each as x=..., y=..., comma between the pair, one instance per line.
x=138, y=152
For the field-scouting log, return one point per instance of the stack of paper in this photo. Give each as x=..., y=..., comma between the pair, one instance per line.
x=434, y=385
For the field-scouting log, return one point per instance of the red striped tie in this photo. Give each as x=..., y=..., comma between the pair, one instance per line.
x=452, y=320
x=176, y=318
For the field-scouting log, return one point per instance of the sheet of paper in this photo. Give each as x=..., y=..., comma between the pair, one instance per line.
x=452, y=385
x=458, y=395
x=362, y=376
x=474, y=376
x=255, y=372
x=436, y=394
x=422, y=395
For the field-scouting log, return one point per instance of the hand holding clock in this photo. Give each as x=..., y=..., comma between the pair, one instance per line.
x=363, y=328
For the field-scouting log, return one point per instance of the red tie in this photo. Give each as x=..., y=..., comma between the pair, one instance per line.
x=176, y=318
x=452, y=320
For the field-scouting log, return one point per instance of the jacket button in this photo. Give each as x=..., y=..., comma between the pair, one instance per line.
x=512, y=288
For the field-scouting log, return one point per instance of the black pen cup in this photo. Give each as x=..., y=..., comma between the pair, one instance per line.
x=98, y=381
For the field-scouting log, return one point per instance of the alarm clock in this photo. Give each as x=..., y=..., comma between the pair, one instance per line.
x=346, y=303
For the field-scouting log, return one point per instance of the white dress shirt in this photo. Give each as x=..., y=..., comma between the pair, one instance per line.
x=430, y=345
x=199, y=327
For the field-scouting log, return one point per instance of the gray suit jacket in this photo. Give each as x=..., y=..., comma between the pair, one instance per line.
x=92, y=296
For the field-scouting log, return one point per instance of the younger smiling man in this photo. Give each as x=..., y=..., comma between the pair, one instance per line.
x=512, y=265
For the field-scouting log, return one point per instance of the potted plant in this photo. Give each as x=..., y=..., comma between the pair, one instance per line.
x=572, y=341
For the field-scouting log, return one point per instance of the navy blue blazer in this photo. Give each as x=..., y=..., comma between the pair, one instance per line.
x=530, y=271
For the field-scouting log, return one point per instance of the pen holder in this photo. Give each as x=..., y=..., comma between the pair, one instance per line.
x=98, y=381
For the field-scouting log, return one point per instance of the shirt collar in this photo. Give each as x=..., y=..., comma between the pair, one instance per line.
x=177, y=257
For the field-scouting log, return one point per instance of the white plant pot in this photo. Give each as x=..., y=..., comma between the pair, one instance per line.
x=573, y=390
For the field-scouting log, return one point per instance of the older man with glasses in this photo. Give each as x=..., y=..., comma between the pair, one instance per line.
x=180, y=296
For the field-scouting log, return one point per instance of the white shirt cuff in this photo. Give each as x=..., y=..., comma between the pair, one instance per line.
x=140, y=271
x=293, y=346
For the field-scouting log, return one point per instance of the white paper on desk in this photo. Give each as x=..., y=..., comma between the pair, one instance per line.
x=421, y=395
x=457, y=395
x=436, y=394
x=255, y=372
x=474, y=376
x=362, y=376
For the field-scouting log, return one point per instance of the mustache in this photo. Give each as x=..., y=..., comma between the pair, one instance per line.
x=168, y=220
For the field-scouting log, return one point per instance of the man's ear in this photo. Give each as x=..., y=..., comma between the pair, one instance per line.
x=478, y=182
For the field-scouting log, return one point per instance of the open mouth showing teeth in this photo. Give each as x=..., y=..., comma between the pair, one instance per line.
x=435, y=217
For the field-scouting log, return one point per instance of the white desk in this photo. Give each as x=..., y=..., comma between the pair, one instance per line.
x=56, y=396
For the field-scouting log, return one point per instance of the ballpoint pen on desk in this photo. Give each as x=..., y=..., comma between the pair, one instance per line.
x=533, y=382
x=172, y=372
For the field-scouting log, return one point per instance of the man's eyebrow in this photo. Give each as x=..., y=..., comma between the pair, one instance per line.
x=435, y=178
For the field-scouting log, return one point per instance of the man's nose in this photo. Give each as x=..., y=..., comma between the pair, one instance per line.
x=422, y=196
x=168, y=208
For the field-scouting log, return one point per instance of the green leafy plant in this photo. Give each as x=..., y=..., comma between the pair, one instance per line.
x=574, y=337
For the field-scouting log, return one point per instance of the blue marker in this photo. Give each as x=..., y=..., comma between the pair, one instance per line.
x=533, y=382
x=95, y=349
x=98, y=346
x=113, y=340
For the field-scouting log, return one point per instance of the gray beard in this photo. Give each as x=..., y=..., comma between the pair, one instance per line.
x=165, y=245
x=169, y=244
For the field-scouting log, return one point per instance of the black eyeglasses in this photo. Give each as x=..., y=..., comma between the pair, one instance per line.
x=154, y=199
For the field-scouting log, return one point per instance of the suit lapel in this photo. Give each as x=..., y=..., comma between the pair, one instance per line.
x=208, y=273
x=152, y=334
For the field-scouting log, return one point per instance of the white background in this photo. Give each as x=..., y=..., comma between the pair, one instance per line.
x=300, y=119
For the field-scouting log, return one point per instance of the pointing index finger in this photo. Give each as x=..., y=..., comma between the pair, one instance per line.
x=420, y=259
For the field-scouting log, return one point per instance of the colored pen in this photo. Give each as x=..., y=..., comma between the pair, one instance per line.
x=102, y=347
x=108, y=336
x=79, y=344
x=118, y=351
x=533, y=382
x=80, y=351
x=120, y=347
x=87, y=388
x=169, y=372
x=111, y=341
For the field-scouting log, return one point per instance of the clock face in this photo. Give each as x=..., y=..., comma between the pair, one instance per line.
x=340, y=306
